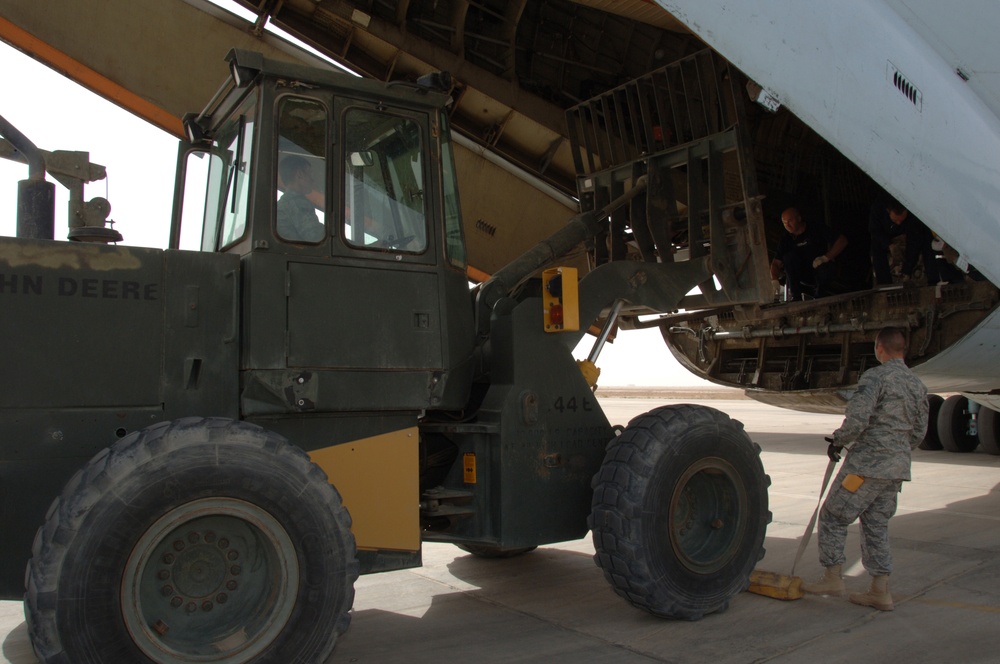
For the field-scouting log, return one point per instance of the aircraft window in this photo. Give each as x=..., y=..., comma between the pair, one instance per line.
x=384, y=206
x=301, y=174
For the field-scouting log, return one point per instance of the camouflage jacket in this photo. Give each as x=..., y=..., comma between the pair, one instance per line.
x=886, y=418
x=297, y=219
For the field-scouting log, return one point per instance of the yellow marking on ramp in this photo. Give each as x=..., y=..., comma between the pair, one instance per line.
x=982, y=608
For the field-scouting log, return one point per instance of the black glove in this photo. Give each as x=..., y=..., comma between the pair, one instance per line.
x=833, y=451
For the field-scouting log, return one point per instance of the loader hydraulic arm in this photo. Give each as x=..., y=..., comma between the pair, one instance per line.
x=656, y=286
x=581, y=228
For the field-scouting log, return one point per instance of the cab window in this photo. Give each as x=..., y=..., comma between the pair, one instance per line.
x=454, y=239
x=300, y=199
x=384, y=206
x=216, y=186
x=234, y=215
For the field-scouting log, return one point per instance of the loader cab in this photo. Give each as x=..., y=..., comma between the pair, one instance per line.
x=339, y=196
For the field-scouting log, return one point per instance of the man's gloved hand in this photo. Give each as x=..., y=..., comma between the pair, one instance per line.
x=834, y=450
x=819, y=260
x=777, y=290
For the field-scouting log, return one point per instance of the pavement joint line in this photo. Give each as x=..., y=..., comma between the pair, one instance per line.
x=915, y=598
x=442, y=583
x=856, y=623
x=780, y=522
x=784, y=494
x=487, y=599
x=939, y=510
x=918, y=597
x=951, y=551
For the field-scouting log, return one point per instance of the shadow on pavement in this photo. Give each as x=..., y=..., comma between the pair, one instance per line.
x=553, y=604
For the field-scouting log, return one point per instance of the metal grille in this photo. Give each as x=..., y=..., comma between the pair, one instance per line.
x=687, y=100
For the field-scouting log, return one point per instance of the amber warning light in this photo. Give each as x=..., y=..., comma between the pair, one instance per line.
x=560, y=299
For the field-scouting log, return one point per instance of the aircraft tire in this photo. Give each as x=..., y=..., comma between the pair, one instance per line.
x=931, y=439
x=203, y=540
x=680, y=511
x=988, y=426
x=952, y=425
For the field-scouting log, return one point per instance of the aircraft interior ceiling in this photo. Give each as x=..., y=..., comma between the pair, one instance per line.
x=517, y=65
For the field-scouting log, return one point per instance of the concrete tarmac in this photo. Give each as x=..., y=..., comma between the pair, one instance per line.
x=553, y=604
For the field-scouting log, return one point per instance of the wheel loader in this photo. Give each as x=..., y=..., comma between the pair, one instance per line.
x=203, y=447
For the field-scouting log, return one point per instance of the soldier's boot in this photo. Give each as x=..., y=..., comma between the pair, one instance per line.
x=830, y=584
x=877, y=595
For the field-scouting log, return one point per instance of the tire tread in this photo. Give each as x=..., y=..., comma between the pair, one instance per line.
x=99, y=479
x=619, y=487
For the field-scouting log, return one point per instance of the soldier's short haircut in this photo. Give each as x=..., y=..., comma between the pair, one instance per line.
x=892, y=339
x=290, y=166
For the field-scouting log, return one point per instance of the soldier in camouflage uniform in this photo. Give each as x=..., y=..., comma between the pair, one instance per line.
x=297, y=219
x=886, y=418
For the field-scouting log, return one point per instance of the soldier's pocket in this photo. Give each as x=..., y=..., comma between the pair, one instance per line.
x=852, y=482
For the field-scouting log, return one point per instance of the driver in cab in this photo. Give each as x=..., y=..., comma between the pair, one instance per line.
x=297, y=218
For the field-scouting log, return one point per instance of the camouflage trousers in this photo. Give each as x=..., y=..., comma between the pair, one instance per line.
x=873, y=503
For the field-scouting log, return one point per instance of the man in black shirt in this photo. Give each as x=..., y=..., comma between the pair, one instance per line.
x=888, y=220
x=806, y=254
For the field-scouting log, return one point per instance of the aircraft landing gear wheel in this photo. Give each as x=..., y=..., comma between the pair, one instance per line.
x=931, y=439
x=988, y=425
x=953, y=425
x=680, y=511
x=201, y=540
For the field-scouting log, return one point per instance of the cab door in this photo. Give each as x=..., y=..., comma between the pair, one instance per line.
x=372, y=314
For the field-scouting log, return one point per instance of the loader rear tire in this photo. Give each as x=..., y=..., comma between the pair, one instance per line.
x=680, y=511
x=202, y=540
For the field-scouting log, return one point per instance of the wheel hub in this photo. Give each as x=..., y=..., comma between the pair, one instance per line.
x=202, y=572
x=705, y=521
x=213, y=580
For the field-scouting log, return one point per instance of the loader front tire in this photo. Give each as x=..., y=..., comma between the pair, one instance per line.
x=680, y=511
x=205, y=540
